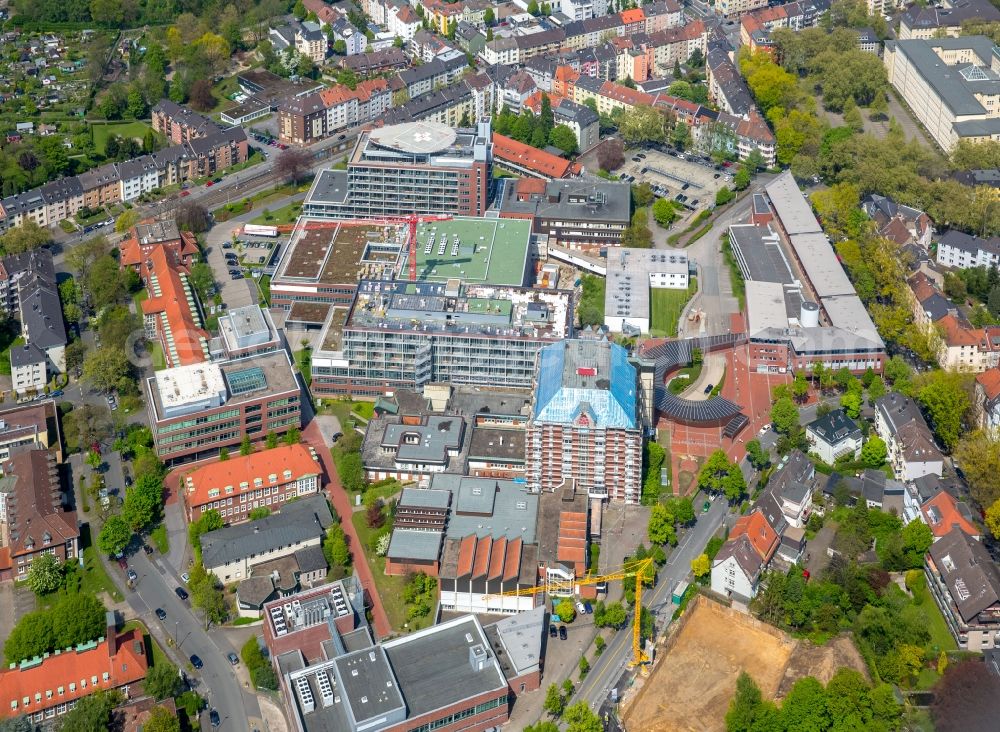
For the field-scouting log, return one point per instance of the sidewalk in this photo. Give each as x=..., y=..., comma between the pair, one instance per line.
x=342, y=503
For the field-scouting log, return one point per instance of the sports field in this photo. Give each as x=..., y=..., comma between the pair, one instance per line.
x=492, y=251
x=135, y=130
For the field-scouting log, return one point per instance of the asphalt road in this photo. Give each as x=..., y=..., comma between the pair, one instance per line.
x=608, y=669
x=217, y=680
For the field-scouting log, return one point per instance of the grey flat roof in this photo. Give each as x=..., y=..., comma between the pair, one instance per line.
x=521, y=635
x=790, y=205
x=433, y=666
x=824, y=270
x=760, y=253
x=849, y=313
x=415, y=544
x=628, y=270
x=425, y=498
x=368, y=683
x=500, y=508
x=298, y=521
x=765, y=306
x=954, y=89
x=415, y=137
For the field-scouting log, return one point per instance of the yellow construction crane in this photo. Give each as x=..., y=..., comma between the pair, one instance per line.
x=632, y=569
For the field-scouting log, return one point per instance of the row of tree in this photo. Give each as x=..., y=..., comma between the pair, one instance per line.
x=536, y=131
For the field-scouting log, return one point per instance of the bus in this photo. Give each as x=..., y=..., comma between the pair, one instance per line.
x=258, y=230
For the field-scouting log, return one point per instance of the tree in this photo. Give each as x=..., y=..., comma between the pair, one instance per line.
x=161, y=720
x=45, y=574
x=992, y=517
x=758, y=457
x=564, y=138
x=489, y=17
x=554, y=702
x=641, y=124
x=682, y=509
x=207, y=595
x=271, y=441
x=800, y=388
x=335, y=547
x=163, y=681
x=741, y=181
x=246, y=447
x=851, y=403
x=701, y=565
x=744, y=705
x=24, y=238
x=106, y=369
x=966, y=698
x=784, y=416
x=611, y=155
x=200, y=96
x=210, y=520
x=126, y=220
x=853, y=119
x=193, y=217
x=292, y=164
x=613, y=615
x=259, y=513
x=92, y=713
x=917, y=539
x=661, y=526
x=664, y=213
x=874, y=452
x=945, y=396
x=115, y=536
x=566, y=611
x=723, y=196
x=978, y=455
x=143, y=502
x=579, y=717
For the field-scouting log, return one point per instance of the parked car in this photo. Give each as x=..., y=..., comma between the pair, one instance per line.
x=553, y=632
x=147, y=549
x=213, y=717
x=56, y=394
x=581, y=608
x=131, y=575
x=342, y=137
x=708, y=389
x=161, y=614
x=122, y=563
x=217, y=180
x=233, y=658
x=209, y=184
x=181, y=593
x=185, y=578
x=196, y=662
x=226, y=245
x=128, y=481
x=185, y=193
x=562, y=632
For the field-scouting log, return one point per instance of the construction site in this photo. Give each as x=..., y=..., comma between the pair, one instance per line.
x=694, y=677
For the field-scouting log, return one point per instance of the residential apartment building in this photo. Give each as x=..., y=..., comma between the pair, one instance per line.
x=302, y=120
x=347, y=107
x=572, y=214
x=231, y=552
x=756, y=26
x=204, y=151
x=735, y=8
x=402, y=21
x=931, y=21
x=180, y=124
x=419, y=167
x=306, y=37
x=33, y=425
x=987, y=401
x=583, y=9
x=29, y=371
x=901, y=224
x=198, y=409
x=737, y=569
x=833, y=436
x=965, y=583
x=962, y=251
x=726, y=86
x=237, y=486
x=43, y=689
x=911, y=447
x=451, y=106
x=34, y=519
x=950, y=84
x=964, y=348
x=585, y=426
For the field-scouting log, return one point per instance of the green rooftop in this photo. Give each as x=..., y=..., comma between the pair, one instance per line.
x=489, y=251
x=483, y=305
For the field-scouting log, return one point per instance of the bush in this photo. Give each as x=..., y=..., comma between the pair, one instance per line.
x=566, y=611
x=261, y=673
x=724, y=196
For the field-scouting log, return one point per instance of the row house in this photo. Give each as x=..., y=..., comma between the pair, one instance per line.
x=960, y=250
x=928, y=304
x=304, y=120
x=428, y=76
x=756, y=26
x=676, y=44
x=55, y=201
x=986, y=403
x=449, y=106
x=583, y=9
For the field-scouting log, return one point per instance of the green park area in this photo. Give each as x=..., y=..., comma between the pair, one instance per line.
x=136, y=130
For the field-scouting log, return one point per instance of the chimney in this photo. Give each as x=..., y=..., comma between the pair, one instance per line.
x=112, y=633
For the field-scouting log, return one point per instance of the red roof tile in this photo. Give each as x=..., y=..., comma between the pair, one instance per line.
x=526, y=156
x=190, y=340
x=512, y=565
x=763, y=538
x=990, y=381
x=942, y=515
x=287, y=463
x=466, y=555
x=79, y=668
x=497, y=559
x=482, y=562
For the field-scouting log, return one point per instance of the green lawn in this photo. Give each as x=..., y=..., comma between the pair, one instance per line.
x=941, y=637
x=682, y=379
x=156, y=353
x=665, y=309
x=390, y=589
x=101, y=133
x=284, y=215
x=5, y=355
x=160, y=539
x=152, y=647
x=365, y=410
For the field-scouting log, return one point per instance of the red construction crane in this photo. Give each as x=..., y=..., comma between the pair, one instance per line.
x=411, y=221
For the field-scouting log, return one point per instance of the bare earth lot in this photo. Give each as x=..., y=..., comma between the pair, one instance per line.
x=695, y=675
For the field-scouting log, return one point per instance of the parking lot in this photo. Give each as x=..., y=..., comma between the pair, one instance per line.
x=695, y=181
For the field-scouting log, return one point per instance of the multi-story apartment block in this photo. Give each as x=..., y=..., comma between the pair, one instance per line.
x=138, y=175
x=585, y=426
x=231, y=486
x=33, y=516
x=958, y=249
x=583, y=9
x=34, y=425
x=419, y=167
x=196, y=410
x=951, y=84
x=402, y=21
x=735, y=8
x=943, y=19
x=180, y=124
x=465, y=334
x=912, y=452
x=302, y=120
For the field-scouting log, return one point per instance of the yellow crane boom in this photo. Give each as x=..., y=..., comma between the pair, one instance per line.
x=632, y=569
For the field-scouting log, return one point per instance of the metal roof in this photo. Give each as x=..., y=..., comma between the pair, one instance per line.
x=674, y=354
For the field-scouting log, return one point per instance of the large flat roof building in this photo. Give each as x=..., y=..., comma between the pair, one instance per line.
x=415, y=167
x=198, y=409
x=404, y=335
x=951, y=84
x=632, y=275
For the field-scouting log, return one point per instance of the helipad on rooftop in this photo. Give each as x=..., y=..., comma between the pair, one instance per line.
x=415, y=137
